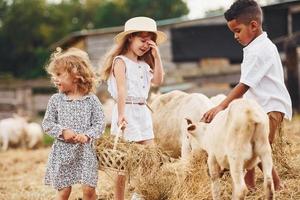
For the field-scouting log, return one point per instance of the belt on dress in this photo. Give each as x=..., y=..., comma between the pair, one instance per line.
x=140, y=104
x=137, y=101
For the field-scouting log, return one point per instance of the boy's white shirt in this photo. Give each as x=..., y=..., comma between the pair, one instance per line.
x=262, y=71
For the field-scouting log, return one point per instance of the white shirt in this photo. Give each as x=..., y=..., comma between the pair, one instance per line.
x=262, y=71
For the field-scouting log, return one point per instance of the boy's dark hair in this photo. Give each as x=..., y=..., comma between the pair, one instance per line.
x=244, y=11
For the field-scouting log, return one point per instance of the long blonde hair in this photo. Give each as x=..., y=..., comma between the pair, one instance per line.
x=122, y=48
x=77, y=63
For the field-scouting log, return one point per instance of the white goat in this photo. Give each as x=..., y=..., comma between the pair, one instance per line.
x=12, y=131
x=236, y=139
x=34, y=135
x=169, y=113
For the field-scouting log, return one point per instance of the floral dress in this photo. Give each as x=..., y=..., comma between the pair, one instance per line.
x=70, y=163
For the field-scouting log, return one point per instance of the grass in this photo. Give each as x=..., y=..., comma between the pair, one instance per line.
x=47, y=140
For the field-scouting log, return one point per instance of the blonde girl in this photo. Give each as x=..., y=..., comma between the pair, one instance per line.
x=74, y=117
x=130, y=68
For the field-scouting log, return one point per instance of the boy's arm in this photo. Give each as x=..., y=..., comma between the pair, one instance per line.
x=237, y=92
x=97, y=120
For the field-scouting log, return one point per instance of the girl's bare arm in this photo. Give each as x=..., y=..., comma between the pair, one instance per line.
x=158, y=71
x=119, y=70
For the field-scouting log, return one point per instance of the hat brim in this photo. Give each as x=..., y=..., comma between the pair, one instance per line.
x=161, y=36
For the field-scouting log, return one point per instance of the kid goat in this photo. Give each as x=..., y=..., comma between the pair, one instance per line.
x=236, y=139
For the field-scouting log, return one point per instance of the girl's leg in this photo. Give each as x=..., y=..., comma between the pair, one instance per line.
x=63, y=194
x=120, y=187
x=121, y=179
x=89, y=193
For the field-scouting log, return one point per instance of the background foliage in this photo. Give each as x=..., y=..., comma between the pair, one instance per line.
x=29, y=27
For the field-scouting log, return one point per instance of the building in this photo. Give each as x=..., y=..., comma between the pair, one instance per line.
x=202, y=51
x=200, y=55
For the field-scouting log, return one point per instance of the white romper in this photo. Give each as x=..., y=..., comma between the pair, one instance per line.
x=138, y=80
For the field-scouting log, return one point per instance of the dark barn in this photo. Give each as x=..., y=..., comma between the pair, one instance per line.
x=200, y=41
x=215, y=40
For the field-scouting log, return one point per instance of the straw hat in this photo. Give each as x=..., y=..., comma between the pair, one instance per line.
x=139, y=24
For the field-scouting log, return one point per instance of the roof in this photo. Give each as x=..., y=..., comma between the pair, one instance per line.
x=174, y=23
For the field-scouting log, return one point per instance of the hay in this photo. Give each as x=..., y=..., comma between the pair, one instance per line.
x=128, y=158
x=195, y=183
x=189, y=180
x=155, y=176
x=282, y=152
x=179, y=179
x=137, y=162
x=22, y=172
x=154, y=183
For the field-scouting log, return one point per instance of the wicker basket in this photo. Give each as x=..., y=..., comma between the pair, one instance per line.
x=123, y=157
x=112, y=157
x=112, y=160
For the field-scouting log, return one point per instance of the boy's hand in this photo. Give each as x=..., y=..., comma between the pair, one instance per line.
x=209, y=115
x=81, y=138
x=68, y=135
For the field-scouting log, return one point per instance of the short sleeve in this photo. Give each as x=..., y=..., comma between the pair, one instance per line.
x=253, y=69
x=111, y=82
x=119, y=58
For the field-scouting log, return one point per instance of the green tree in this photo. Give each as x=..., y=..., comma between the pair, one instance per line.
x=19, y=38
x=115, y=12
x=156, y=9
x=29, y=27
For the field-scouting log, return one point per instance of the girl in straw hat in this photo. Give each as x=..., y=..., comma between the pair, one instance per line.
x=130, y=68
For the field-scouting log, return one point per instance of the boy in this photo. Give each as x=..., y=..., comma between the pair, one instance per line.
x=261, y=73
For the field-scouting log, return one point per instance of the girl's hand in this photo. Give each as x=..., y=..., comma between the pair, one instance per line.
x=153, y=48
x=81, y=138
x=68, y=135
x=122, y=122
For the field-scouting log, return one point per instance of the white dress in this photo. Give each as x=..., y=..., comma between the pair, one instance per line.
x=138, y=79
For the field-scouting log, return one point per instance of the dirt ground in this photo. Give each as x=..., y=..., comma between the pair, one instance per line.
x=22, y=172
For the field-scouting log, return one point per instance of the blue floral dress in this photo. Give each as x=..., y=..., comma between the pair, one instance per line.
x=70, y=163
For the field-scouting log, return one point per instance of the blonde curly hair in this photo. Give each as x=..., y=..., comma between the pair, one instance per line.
x=77, y=63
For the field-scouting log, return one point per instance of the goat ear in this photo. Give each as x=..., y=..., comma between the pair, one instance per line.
x=188, y=121
x=191, y=129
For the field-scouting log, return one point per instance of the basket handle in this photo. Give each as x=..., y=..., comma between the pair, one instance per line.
x=117, y=136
